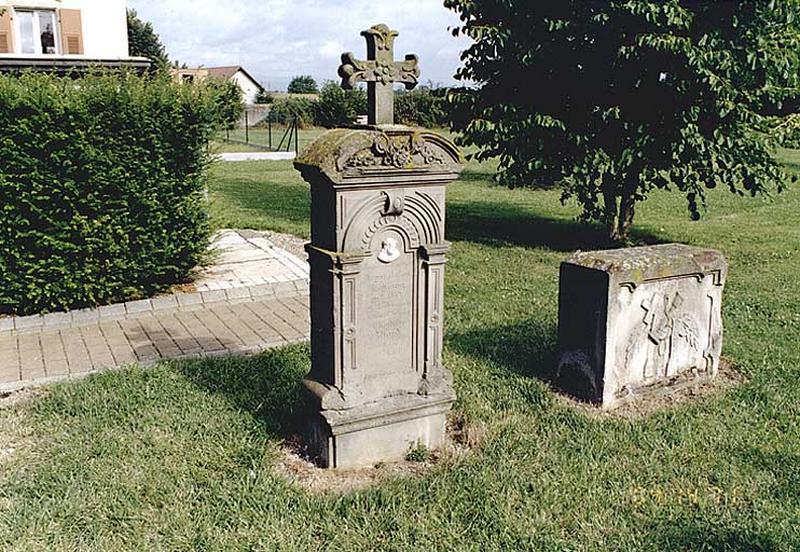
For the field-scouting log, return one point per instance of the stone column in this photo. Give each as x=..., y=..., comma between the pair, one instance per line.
x=377, y=386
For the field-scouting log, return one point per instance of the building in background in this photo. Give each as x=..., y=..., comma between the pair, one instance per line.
x=64, y=35
x=250, y=87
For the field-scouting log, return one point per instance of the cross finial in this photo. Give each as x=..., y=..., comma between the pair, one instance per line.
x=380, y=71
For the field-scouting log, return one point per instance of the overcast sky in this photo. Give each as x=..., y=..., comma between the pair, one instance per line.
x=278, y=39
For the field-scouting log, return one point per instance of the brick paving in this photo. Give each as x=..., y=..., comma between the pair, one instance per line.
x=85, y=344
x=252, y=298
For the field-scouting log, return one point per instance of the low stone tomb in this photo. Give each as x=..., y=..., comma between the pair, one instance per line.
x=377, y=385
x=639, y=319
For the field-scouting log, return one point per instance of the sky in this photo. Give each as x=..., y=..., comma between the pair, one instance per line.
x=278, y=39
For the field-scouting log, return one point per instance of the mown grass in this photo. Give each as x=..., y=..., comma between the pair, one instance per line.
x=183, y=456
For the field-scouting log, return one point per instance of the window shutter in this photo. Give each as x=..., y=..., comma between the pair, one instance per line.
x=71, y=31
x=6, y=42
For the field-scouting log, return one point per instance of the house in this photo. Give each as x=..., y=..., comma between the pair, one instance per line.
x=249, y=85
x=64, y=35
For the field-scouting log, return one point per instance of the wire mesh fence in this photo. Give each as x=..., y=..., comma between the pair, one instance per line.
x=266, y=134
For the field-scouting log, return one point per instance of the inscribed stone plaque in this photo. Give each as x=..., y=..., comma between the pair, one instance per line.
x=387, y=307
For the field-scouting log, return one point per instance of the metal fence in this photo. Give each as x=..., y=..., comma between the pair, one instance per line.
x=266, y=134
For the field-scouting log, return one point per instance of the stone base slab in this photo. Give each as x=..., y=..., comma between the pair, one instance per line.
x=383, y=431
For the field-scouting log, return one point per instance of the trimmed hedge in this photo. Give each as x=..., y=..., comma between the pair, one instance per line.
x=101, y=187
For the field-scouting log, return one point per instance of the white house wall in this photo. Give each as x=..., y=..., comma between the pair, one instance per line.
x=105, y=24
x=249, y=88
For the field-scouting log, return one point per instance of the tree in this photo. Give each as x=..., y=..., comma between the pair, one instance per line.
x=230, y=101
x=304, y=84
x=293, y=109
x=337, y=107
x=264, y=97
x=614, y=99
x=143, y=41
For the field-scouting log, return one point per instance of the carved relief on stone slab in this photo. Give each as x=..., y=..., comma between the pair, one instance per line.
x=397, y=152
x=673, y=334
x=348, y=155
x=631, y=320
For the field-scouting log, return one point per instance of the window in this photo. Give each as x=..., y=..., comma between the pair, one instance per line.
x=37, y=31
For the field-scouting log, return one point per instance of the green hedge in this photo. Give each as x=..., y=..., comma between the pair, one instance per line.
x=288, y=110
x=101, y=187
x=423, y=107
x=337, y=107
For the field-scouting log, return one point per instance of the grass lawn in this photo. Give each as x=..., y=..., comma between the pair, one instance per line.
x=184, y=456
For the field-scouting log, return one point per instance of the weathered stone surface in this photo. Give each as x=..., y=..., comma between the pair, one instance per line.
x=380, y=71
x=377, y=385
x=631, y=320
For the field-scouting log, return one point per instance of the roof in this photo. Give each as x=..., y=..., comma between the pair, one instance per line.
x=229, y=72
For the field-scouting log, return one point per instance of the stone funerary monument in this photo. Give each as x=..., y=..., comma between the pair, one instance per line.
x=377, y=386
x=635, y=320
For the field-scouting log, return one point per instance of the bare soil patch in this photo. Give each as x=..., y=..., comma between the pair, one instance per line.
x=463, y=439
x=662, y=399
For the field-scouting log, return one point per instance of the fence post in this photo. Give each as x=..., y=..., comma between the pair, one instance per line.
x=296, y=137
x=269, y=119
x=246, y=127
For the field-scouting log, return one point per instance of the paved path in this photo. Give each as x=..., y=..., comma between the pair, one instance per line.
x=246, y=258
x=252, y=298
x=41, y=355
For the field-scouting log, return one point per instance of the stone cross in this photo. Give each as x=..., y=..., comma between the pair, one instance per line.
x=377, y=386
x=380, y=71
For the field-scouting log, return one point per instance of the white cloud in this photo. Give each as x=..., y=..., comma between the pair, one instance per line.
x=278, y=39
x=332, y=49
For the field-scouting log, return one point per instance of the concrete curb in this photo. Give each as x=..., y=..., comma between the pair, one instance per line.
x=257, y=156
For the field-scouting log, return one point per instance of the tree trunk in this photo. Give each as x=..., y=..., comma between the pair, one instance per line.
x=623, y=209
x=611, y=209
x=627, y=209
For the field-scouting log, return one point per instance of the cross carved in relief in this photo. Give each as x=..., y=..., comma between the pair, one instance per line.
x=380, y=71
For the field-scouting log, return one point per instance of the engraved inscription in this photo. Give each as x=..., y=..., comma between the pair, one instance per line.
x=386, y=316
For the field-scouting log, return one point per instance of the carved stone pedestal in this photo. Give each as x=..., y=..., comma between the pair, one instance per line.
x=377, y=386
x=632, y=321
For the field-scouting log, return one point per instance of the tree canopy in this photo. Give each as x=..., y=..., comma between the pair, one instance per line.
x=614, y=99
x=338, y=107
x=303, y=84
x=144, y=41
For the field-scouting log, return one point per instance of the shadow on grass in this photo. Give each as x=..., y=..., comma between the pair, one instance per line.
x=273, y=196
x=499, y=224
x=527, y=348
x=268, y=385
x=671, y=535
x=780, y=464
